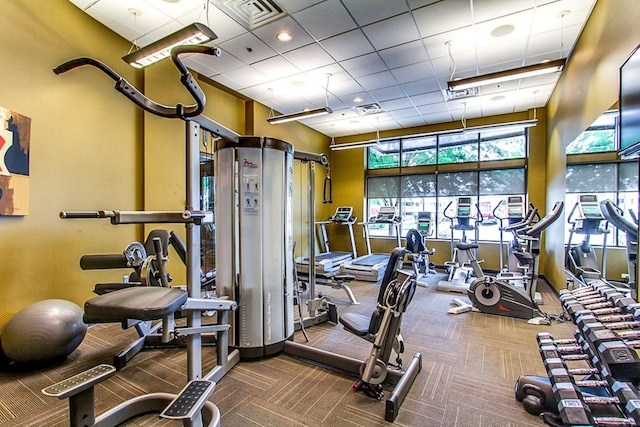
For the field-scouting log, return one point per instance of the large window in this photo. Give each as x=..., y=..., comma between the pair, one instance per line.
x=437, y=191
x=589, y=174
x=614, y=181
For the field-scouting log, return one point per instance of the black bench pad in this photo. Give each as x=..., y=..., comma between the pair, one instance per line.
x=355, y=323
x=137, y=303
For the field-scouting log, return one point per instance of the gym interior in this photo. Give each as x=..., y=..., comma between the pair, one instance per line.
x=110, y=168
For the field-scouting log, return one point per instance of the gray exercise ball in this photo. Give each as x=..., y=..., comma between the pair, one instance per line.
x=44, y=331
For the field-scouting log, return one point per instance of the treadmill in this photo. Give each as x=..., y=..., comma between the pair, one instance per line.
x=371, y=267
x=327, y=263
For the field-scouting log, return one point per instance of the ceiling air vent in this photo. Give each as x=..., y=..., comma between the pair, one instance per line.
x=369, y=109
x=251, y=14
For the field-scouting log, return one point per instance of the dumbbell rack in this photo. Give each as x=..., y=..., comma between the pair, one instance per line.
x=594, y=376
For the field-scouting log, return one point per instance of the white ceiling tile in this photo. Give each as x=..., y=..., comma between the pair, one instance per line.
x=521, y=23
x=364, y=65
x=366, y=12
x=148, y=19
x=268, y=34
x=127, y=32
x=484, y=10
x=309, y=57
x=377, y=81
x=347, y=45
x=422, y=86
x=394, y=31
x=412, y=73
x=247, y=76
x=226, y=81
x=345, y=87
x=325, y=19
x=442, y=17
x=510, y=51
x=438, y=117
x=410, y=122
x=397, y=104
x=428, y=98
x=223, y=64
x=276, y=67
x=82, y=4
x=292, y=6
x=404, y=113
x=387, y=93
x=406, y=54
x=177, y=9
x=248, y=48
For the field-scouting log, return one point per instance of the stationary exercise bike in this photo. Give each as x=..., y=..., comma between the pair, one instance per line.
x=498, y=296
x=464, y=264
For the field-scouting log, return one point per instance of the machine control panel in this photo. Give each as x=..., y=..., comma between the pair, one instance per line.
x=386, y=215
x=515, y=207
x=589, y=207
x=464, y=207
x=343, y=214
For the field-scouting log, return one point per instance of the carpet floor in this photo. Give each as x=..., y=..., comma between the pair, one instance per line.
x=470, y=363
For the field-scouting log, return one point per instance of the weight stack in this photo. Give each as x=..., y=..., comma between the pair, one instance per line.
x=254, y=241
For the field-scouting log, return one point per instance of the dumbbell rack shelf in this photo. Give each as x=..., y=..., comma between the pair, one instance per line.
x=595, y=375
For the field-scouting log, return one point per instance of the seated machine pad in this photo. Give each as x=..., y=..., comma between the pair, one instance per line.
x=139, y=303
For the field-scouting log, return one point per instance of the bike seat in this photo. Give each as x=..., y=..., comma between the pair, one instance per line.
x=465, y=246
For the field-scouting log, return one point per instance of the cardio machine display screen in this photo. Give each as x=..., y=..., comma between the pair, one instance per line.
x=591, y=212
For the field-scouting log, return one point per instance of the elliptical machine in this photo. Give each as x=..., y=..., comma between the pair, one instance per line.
x=464, y=264
x=496, y=296
x=614, y=215
x=581, y=261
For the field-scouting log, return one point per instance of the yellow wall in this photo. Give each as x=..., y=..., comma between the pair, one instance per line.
x=85, y=151
x=588, y=87
x=92, y=149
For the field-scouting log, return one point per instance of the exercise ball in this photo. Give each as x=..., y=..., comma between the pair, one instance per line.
x=45, y=331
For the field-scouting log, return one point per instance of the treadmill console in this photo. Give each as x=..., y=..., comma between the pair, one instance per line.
x=343, y=214
x=515, y=207
x=386, y=215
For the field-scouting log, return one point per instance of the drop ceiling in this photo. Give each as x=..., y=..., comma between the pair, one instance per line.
x=386, y=62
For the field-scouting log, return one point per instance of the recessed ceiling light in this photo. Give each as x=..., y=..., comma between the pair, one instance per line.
x=498, y=98
x=564, y=13
x=284, y=36
x=358, y=100
x=502, y=30
x=298, y=83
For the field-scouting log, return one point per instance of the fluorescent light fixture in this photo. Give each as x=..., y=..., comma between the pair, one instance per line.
x=502, y=126
x=508, y=75
x=193, y=34
x=298, y=116
x=348, y=145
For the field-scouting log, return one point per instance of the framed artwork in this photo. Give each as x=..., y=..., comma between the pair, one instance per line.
x=15, y=139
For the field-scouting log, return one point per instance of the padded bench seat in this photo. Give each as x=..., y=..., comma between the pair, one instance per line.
x=356, y=323
x=136, y=303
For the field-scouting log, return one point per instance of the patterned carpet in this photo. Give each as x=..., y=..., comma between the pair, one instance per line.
x=470, y=363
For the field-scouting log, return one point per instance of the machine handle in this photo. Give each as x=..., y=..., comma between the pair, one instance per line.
x=102, y=262
x=134, y=95
x=444, y=212
x=328, y=185
x=496, y=210
x=479, y=216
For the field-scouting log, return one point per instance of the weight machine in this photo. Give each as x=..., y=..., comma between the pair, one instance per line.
x=148, y=303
